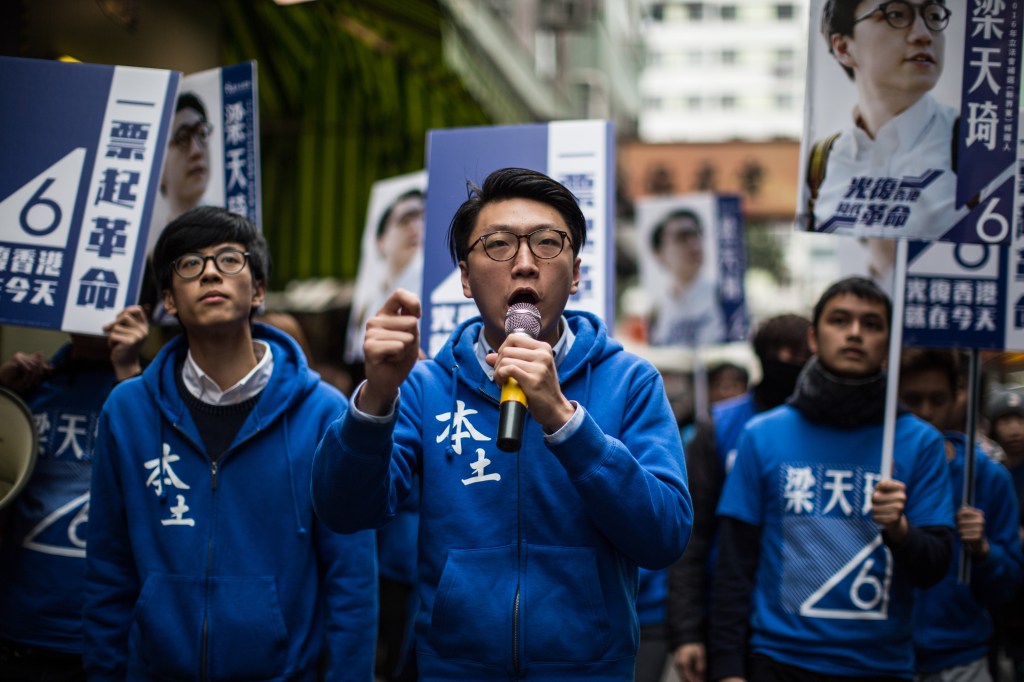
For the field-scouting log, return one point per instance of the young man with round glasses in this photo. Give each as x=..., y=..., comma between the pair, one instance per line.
x=186, y=170
x=894, y=53
x=206, y=560
x=687, y=312
x=528, y=560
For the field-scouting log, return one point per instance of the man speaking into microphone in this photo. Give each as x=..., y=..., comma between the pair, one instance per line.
x=527, y=559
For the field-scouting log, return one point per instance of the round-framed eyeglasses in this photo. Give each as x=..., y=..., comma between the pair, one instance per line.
x=200, y=132
x=901, y=14
x=227, y=262
x=501, y=246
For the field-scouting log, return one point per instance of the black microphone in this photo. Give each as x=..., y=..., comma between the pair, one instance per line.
x=521, y=318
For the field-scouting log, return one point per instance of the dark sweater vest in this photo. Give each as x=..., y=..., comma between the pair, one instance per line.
x=217, y=424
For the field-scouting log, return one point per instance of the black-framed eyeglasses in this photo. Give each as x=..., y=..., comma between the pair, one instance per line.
x=227, y=262
x=544, y=243
x=200, y=132
x=901, y=14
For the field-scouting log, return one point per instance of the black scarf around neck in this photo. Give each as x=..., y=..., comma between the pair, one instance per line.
x=825, y=398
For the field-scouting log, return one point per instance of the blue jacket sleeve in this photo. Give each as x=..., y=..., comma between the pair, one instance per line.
x=111, y=582
x=348, y=564
x=360, y=473
x=634, y=488
x=996, y=578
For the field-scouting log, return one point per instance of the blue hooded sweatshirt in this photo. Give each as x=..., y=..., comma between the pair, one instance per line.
x=527, y=560
x=952, y=625
x=42, y=556
x=201, y=570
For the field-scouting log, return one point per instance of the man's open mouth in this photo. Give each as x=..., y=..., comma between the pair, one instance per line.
x=523, y=297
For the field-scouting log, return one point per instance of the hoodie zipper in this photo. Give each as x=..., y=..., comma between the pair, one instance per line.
x=204, y=660
x=515, y=633
x=519, y=539
x=203, y=653
x=519, y=562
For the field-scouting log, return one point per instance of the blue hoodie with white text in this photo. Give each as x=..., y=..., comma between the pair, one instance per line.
x=528, y=559
x=220, y=570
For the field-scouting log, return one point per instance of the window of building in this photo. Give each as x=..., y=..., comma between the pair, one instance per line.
x=784, y=102
x=728, y=56
x=694, y=11
x=693, y=103
x=728, y=13
x=728, y=101
x=785, y=12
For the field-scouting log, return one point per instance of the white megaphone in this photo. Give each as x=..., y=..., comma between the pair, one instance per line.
x=18, y=445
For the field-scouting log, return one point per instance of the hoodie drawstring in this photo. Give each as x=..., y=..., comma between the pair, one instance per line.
x=162, y=466
x=586, y=387
x=291, y=476
x=449, y=451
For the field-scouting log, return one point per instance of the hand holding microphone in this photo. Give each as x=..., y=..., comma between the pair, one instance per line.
x=521, y=318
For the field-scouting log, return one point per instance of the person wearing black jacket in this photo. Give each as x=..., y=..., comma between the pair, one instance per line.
x=780, y=345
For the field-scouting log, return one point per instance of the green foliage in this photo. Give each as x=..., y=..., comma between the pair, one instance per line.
x=347, y=91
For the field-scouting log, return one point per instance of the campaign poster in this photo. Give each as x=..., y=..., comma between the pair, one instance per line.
x=692, y=264
x=81, y=150
x=911, y=121
x=213, y=152
x=966, y=295
x=391, y=254
x=579, y=154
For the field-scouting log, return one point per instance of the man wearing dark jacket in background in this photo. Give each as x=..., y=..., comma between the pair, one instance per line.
x=781, y=346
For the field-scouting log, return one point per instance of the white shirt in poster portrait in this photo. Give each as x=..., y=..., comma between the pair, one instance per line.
x=690, y=317
x=911, y=145
x=411, y=279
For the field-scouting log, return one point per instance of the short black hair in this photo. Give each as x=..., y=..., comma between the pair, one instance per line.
x=205, y=226
x=914, y=361
x=679, y=214
x=717, y=371
x=839, y=16
x=189, y=100
x=382, y=224
x=861, y=287
x=781, y=332
x=514, y=183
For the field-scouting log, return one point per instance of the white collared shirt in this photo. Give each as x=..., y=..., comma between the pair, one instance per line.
x=911, y=147
x=201, y=386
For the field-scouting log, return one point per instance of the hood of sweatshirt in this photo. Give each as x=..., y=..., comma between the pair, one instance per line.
x=291, y=381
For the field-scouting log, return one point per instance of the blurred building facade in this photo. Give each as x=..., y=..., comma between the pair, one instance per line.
x=722, y=70
x=545, y=60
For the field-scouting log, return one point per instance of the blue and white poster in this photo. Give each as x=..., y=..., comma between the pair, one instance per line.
x=579, y=154
x=966, y=295
x=81, y=147
x=213, y=154
x=911, y=120
x=391, y=256
x=692, y=263
x=955, y=295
